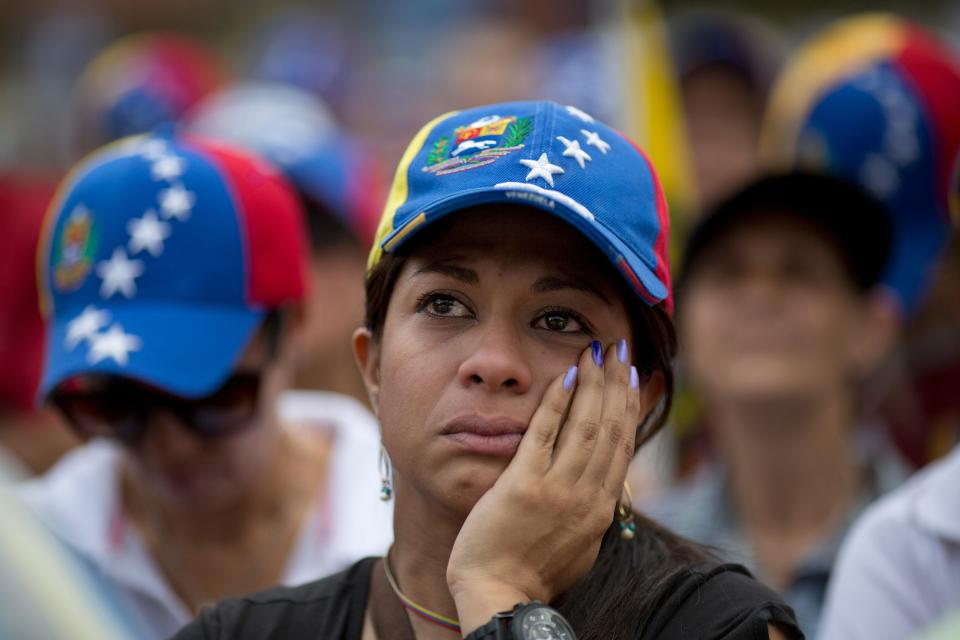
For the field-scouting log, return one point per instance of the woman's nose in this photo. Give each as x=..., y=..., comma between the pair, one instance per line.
x=497, y=362
x=168, y=436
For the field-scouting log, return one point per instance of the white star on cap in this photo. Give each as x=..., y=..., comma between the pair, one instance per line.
x=153, y=149
x=541, y=168
x=583, y=115
x=85, y=326
x=148, y=233
x=594, y=140
x=176, y=202
x=119, y=273
x=879, y=175
x=573, y=150
x=115, y=344
x=167, y=167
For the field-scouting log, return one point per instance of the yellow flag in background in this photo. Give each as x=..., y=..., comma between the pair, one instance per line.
x=653, y=111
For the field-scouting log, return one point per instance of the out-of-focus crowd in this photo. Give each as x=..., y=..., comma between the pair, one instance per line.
x=813, y=177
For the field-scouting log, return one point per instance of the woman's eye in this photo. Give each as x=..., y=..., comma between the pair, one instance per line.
x=443, y=305
x=563, y=321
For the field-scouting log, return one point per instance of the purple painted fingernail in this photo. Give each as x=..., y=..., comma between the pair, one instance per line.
x=597, y=353
x=622, y=352
x=634, y=378
x=570, y=379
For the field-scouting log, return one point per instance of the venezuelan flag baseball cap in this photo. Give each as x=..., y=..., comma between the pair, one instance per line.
x=160, y=258
x=298, y=133
x=874, y=99
x=142, y=81
x=543, y=155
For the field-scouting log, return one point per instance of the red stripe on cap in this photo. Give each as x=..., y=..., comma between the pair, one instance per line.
x=631, y=275
x=660, y=247
x=272, y=223
x=934, y=72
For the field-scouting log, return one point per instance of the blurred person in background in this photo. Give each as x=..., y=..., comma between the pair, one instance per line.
x=780, y=323
x=173, y=276
x=873, y=99
x=45, y=590
x=303, y=47
x=924, y=413
x=341, y=190
x=901, y=563
x=33, y=437
x=139, y=82
x=725, y=63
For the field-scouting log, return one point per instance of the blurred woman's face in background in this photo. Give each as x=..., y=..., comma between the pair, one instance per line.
x=723, y=123
x=195, y=471
x=769, y=313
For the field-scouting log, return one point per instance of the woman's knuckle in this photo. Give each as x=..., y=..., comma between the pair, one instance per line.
x=557, y=406
x=589, y=429
x=619, y=376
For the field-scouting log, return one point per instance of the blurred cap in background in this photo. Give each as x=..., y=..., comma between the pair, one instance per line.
x=142, y=81
x=874, y=99
x=161, y=256
x=333, y=173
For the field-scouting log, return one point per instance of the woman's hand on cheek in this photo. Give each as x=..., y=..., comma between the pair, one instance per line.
x=537, y=531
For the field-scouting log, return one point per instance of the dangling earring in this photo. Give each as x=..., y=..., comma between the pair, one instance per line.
x=628, y=528
x=386, y=475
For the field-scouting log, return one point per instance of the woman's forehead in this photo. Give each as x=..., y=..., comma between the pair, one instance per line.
x=507, y=232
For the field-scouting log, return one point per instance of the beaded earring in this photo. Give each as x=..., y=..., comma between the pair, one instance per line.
x=386, y=476
x=628, y=528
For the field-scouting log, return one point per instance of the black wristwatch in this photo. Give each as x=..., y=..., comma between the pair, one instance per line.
x=531, y=621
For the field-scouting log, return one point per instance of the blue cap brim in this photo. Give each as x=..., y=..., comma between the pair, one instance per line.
x=187, y=351
x=650, y=289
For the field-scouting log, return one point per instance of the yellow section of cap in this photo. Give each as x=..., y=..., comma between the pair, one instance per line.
x=407, y=228
x=838, y=51
x=399, y=189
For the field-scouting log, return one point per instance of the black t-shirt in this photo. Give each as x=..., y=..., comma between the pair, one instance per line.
x=711, y=602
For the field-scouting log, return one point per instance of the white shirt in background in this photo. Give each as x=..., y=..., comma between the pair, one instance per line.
x=899, y=569
x=79, y=501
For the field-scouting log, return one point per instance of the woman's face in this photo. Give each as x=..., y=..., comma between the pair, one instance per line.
x=480, y=321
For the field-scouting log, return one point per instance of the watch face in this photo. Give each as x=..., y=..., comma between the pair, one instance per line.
x=541, y=623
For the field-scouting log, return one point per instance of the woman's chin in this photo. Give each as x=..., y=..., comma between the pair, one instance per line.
x=470, y=480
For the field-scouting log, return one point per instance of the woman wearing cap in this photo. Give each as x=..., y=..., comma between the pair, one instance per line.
x=781, y=324
x=517, y=334
x=174, y=272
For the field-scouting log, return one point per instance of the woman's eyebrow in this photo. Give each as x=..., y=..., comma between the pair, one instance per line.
x=547, y=284
x=467, y=276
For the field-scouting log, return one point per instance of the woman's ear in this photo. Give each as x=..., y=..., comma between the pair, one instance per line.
x=366, y=351
x=876, y=333
x=651, y=392
x=651, y=404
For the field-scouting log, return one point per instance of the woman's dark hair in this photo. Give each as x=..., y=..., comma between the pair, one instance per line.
x=629, y=578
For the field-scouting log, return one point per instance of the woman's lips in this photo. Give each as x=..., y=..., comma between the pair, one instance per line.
x=492, y=436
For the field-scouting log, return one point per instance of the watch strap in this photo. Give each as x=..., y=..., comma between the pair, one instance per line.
x=498, y=628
